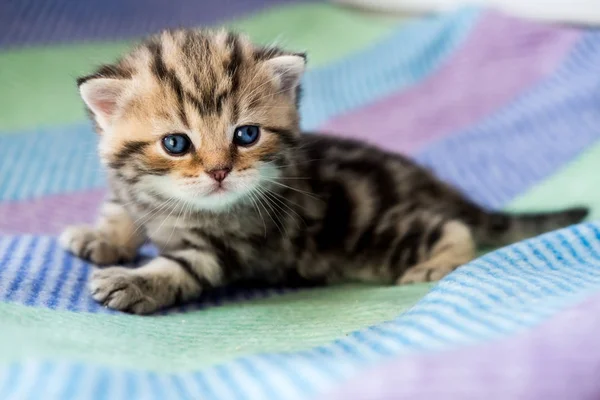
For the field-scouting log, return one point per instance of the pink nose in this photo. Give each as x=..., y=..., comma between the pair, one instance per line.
x=219, y=175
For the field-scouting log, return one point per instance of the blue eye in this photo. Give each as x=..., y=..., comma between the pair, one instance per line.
x=176, y=144
x=246, y=135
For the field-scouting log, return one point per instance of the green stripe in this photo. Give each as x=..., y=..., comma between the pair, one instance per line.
x=292, y=322
x=38, y=84
x=326, y=32
x=574, y=184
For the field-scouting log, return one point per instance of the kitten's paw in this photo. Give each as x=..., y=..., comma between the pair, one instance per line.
x=424, y=273
x=122, y=289
x=87, y=243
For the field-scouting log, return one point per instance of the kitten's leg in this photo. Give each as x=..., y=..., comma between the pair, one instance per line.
x=177, y=277
x=113, y=239
x=454, y=248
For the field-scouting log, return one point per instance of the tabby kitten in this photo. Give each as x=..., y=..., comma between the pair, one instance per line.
x=199, y=133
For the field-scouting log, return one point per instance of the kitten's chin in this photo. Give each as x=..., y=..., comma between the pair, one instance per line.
x=216, y=201
x=208, y=197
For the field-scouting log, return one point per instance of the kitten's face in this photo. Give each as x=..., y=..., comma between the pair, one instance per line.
x=201, y=118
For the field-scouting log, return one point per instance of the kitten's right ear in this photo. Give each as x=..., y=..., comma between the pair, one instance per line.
x=287, y=70
x=102, y=95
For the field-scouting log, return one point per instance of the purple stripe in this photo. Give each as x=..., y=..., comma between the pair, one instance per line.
x=34, y=22
x=49, y=215
x=502, y=57
x=559, y=359
x=530, y=138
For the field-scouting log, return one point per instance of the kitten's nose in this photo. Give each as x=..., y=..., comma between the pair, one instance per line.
x=219, y=175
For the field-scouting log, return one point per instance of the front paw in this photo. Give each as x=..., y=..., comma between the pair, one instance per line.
x=91, y=245
x=124, y=290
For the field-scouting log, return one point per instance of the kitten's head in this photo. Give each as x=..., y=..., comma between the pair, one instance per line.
x=202, y=117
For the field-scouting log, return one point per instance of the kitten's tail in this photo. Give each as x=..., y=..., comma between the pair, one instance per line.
x=499, y=229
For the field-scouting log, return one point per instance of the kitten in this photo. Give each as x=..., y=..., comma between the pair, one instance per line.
x=199, y=133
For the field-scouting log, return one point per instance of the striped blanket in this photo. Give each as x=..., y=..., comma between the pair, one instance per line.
x=507, y=110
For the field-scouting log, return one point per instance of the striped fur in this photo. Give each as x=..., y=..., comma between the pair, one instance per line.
x=295, y=208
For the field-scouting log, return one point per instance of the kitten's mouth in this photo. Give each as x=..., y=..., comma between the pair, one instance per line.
x=218, y=189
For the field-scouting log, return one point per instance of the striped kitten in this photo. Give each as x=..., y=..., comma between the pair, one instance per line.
x=199, y=133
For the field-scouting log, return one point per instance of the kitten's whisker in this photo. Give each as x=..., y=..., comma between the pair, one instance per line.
x=280, y=204
x=177, y=203
x=271, y=193
x=290, y=177
x=263, y=202
x=293, y=189
x=285, y=198
x=255, y=205
x=185, y=205
x=292, y=164
x=138, y=223
x=269, y=196
x=173, y=207
x=159, y=207
x=275, y=202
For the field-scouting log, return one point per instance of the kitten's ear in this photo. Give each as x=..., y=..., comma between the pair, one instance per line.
x=288, y=70
x=102, y=95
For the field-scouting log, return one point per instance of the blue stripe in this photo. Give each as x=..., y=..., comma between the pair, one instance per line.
x=464, y=313
x=367, y=341
x=102, y=386
x=580, y=275
x=539, y=280
x=560, y=283
x=11, y=375
x=158, y=391
x=55, y=297
x=131, y=385
x=228, y=380
x=517, y=283
x=40, y=280
x=72, y=382
x=587, y=244
x=481, y=310
x=80, y=287
x=5, y=257
x=38, y=386
x=203, y=386
x=348, y=350
x=319, y=358
x=396, y=336
x=182, y=392
x=259, y=377
x=285, y=364
x=22, y=271
x=553, y=284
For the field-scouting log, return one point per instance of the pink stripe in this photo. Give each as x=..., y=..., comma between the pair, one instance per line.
x=502, y=57
x=49, y=215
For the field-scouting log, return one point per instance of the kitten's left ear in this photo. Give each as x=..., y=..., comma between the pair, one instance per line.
x=288, y=70
x=102, y=96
